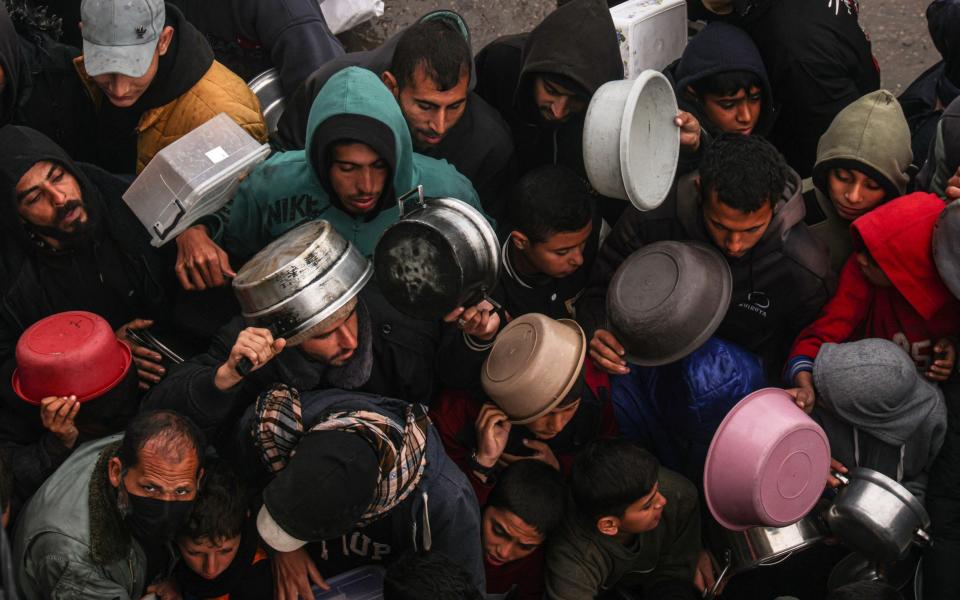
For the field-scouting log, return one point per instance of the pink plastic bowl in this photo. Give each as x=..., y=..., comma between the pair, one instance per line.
x=767, y=464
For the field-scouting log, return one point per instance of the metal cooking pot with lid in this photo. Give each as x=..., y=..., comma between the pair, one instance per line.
x=438, y=256
x=299, y=280
x=740, y=551
x=877, y=516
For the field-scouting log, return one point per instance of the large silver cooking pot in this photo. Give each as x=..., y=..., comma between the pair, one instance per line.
x=740, y=551
x=441, y=254
x=288, y=264
x=299, y=280
x=267, y=88
x=877, y=516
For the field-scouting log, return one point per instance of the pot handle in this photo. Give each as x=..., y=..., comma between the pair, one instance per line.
x=922, y=538
x=401, y=201
x=245, y=365
x=711, y=593
x=844, y=479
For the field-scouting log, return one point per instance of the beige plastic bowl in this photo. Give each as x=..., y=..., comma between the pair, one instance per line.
x=533, y=365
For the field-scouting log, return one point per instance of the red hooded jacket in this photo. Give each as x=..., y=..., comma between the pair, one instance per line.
x=915, y=313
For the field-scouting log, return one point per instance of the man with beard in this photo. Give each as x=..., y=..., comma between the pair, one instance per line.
x=70, y=243
x=429, y=69
x=102, y=525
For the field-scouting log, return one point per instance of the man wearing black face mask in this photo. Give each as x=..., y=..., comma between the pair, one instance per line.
x=69, y=242
x=101, y=526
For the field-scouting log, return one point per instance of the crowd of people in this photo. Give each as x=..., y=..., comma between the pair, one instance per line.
x=516, y=447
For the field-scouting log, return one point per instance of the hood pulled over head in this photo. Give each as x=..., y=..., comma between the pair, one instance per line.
x=355, y=106
x=870, y=135
x=874, y=385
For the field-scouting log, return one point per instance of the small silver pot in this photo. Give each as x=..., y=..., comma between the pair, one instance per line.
x=741, y=551
x=876, y=516
x=287, y=265
x=438, y=256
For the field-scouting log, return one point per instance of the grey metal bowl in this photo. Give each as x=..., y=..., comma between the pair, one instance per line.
x=667, y=299
x=268, y=90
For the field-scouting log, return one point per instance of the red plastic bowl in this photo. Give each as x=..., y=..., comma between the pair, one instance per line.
x=69, y=353
x=767, y=465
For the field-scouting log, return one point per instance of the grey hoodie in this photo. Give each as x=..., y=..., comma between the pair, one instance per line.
x=870, y=135
x=878, y=411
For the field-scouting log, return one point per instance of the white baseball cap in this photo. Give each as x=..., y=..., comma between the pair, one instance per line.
x=120, y=36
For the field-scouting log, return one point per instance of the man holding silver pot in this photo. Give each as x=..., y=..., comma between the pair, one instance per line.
x=336, y=330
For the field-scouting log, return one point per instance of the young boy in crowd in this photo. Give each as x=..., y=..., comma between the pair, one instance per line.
x=219, y=547
x=888, y=289
x=721, y=80
x=427, y=576
x=863, y=160
x=555, y=232
x=483, y=437
x=523, y=510
x=878, y=411
x=634, y=526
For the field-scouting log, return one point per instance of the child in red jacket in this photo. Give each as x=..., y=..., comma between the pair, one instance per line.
x=889, y=288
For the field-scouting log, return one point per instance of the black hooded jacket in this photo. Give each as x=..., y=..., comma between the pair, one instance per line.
x=778, y=287
x=577, y=42
x=924, y=100
x=250, y=36
x=718, y=48
x=479, y=145
x=114, y=272
x=41, y=88
x=818, y=59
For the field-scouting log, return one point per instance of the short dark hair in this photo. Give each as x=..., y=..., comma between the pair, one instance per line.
x=865, y=590
x=171, y=431
x=6, y=482
x=609, y=475
x=549, y=200
x=533, y=491
x=428, y=576
x=220, y=510
x=727, y=83
x=438, y=47
x=745, y=171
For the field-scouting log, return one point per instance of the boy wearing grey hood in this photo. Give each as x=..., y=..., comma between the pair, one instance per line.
x=878, y=411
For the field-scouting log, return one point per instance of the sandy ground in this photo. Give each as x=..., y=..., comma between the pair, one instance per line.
x=897, y=27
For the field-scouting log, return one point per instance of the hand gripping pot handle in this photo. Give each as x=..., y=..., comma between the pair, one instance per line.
x=843, y=478
x=401, y=201
x=245, y=365
x=711, y=592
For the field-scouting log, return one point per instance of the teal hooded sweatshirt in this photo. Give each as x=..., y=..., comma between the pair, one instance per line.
x=287, y=190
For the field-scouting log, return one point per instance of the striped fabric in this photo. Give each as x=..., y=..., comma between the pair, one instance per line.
x=402, y=449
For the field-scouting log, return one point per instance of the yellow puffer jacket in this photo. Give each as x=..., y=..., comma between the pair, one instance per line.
x=218, y=91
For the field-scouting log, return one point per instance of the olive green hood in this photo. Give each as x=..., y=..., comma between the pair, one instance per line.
x=870, y=135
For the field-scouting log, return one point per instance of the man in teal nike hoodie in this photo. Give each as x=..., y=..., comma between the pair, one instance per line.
x=358, y=159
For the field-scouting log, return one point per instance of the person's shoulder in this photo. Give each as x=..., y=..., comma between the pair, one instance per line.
x=678, y=490
x=489, y=125
x=807, y=252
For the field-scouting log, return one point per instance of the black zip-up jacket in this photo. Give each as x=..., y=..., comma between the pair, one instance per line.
x=778, y=287
x=578, y=42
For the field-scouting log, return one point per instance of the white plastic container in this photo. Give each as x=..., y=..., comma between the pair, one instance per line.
x=631, y=145
x=652, y=33
x=193, y=177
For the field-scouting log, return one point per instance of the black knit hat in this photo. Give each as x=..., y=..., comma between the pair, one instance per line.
x=321, y=493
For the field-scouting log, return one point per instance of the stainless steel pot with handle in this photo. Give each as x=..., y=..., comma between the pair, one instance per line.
x=441, y=254
x=877, y=516
x=287, y=265
x=756, y=547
